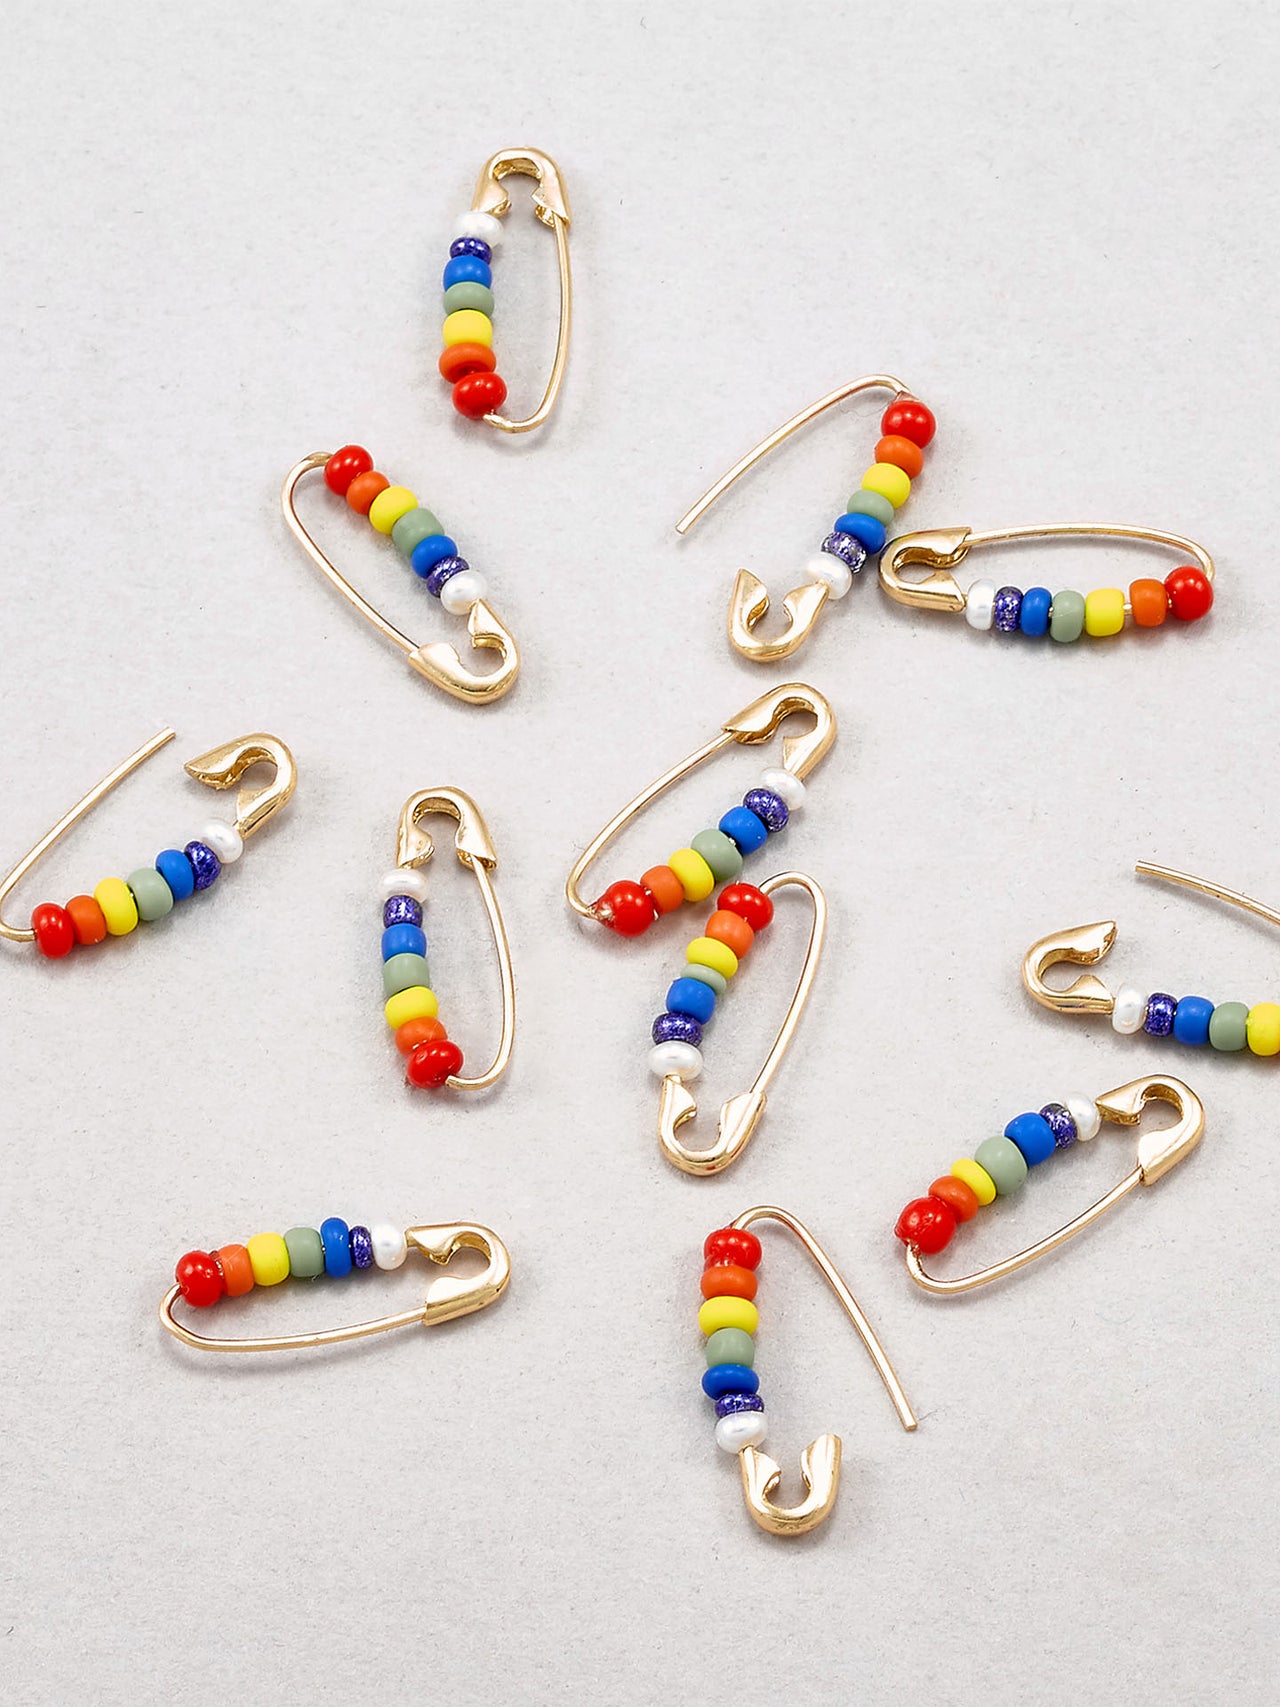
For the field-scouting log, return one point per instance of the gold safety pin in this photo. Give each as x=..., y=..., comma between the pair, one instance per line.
x=446, y=1298
x=1158, y=1151
x=220, y=767
x=740, y=1116
x=749, y=603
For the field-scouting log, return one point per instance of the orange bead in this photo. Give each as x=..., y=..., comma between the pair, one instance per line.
x=364, y=489
x=416, y=1031
x=1149, y=603
x=665, y=887
x=733, y=932
x=901, y=453
x=960, y=1199
x=237, y=1270
x=727, y=1280
x=87, y=919
x=458, y=360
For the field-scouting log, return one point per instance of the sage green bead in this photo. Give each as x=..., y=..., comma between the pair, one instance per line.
x=469, y=294
x=1229, y=1026
x=414, y=526
x=405, y=972
x=1004, y=1161
x=871, y=504
x=720, y=854
x=730, y=1345
x=706, y=975
x=1066, y=616
x=152, y=894
x=306, y=1252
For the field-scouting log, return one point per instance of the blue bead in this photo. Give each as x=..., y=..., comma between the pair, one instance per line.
x=444, y=571
x=1033, y=1135
x=770, y=808
x=402, y=910
x=1007, y=609
x=467, y=269
x=361, y=1242
x=676, y=1028
x=729, y=1378
x=729, y=1404
x=1060, y=1124
x=430, y=551
x=471, y=246
x=1191, y=1021
x=691, y=996
x=1034, y=616
x=176, y=870
x=205, y=864
x=403, y=939
x=851, y=552
x=744, y=829
x=869, y=531
x=1161, y=1013
x=335, y=1236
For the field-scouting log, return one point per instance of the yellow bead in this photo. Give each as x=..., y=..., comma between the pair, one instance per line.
x=417, y=1002
x=119, y=908
x=977, y=1178
x=719, y=1313
x=696, y=877
x=467, y=326
x=269, y=1258
x=889, y=482
x=705, y=951
x=1263, y=1028
x=388, y=507
x=1104, y=611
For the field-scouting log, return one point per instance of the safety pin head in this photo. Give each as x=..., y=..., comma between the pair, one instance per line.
x=222, y=767
x=550, y=200
x=761, y=719
x=1082, y=945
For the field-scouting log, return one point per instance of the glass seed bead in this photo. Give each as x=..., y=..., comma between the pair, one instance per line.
x=675, y=1061
x=980, y=605
x=960, y=1199
x=1103, y=612
x=435, y=548
x=119, y=908
x=431, y=1064
x=890, y=482
x=927, y=1223
x=476, y=395
x=467, y=295
x=174, y=866
x=405, y=972
x=1060, y=1124
x=1190, y=593
x=728, y=1280
x=1262, y=1028
x=720, y=852
x=199, y=1279
x=664, y=887
x=741, y=1430
x=443, y=571
x=729, y=1378
x=731, y=929
x=748, y=903
x=151, y=894
x=390, y=1247
x=1066, y=620
x=1033, y=618
x=467, y=326
x=704, y=951
x=237, y=1270
x=696, y=876
x=1006, y=609
x=908, y=418
x=364, y=489
x=732, y=1244
x=270, y=1258
x=863, y=535
x=744, y=829
x=737, y=1404
x=55, y=932
x=343, y=467
x=459, y=360
x=770, y=808
x=691, y=997
x=87, y=919
x=1161, y=1009
x=676, y=1028
x=707, y=975
x=416, y=1031
x=730, y=1345
x=626, y=908
x=466, y=269
x=901, y=453
x=977, y=1178
x=306, y=1253
x=417, y=1002
x=1034, y=1137
x=412, y=528
x=1004, y=1161
x=335, y=1236
x=388, y=507
x=471, y=246
x=205, y=864
x=1191, y=1021
x=864, y=503
x=360, y=1241
x=402, y=939
x=401, y=910
x=1149, y=603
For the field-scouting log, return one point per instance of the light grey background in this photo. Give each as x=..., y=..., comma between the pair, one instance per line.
x=223, y=229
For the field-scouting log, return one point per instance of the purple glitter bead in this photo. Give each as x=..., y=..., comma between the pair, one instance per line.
x=769, y=808
x=1059, y=1121
x=850, y=551
x=470, y=246
x=1160, y=1012
x=444, y=571
x=729, y=1404
x=361, y=1241
x=205, y=864
x=677, y=1028
x=1007, y=609
x=401, y=910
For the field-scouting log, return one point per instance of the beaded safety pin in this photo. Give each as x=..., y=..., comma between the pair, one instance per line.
x=1187, y=591
x=906, y=428
x=117, y=904
x=728, y=1318
x=468, y=362
x=714, y=856
x=431, y=1057
x=432, y=555
x=711, y=960
x=1000, y=1165
x=1193, y=1020
x=203, y=1277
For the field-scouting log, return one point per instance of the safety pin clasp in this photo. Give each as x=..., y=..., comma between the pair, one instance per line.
x=222, y=767
x=749, y=605
x=1082, y=945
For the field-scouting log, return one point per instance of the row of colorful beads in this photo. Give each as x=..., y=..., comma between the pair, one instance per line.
x=1187, y=592
x=431, y=1057
x=205, y=1276
x=1195, y=1020
x=414, y=531
x=713, y=856
x=907, y=427
x=468, y=360
x=728, y=1318
x=118, y=903
x=710, y=961
x=999, y=1166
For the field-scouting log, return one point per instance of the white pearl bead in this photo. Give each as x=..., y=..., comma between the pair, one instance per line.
x=831, y=572
x=404, y=880
x=680, y=1060
x=789, y=789
x=390, y=1246
x=739, y=1429
x=1084, y=1111
x=225, y=840
x=481, y=225
x=461, y=591
x=980, y=604
x=1130, y=1011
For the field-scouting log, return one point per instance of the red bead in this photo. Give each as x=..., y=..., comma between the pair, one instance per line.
x=55, y=934
x=1190, y=592
x=430, y=1064
x=927, y=1223
x=199, y=1278
x=458, y=360
x=728, y=1280
x=626, y=907
x=908, y=419
x=479, y=394
x=732, y=1245
x=748, y=903
x=343, y=466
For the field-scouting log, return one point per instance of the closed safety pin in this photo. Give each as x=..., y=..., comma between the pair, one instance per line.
x=742, y=913
x=907, y=427
x=117, y=904
x=203, y=1277
x=1187, y=591
x=1000, y=1165
x=714, y=856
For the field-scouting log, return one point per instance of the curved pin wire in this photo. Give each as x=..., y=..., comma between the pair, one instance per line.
x=1202, y=886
